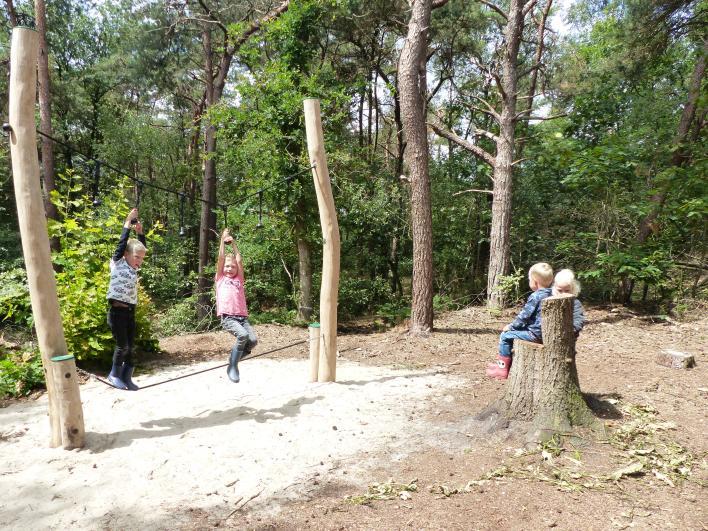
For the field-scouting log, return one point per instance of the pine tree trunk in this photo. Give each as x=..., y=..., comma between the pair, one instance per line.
x=412, y=85
x=207, y=220
x=45, y=114
x=543, y=382
x=503, y=169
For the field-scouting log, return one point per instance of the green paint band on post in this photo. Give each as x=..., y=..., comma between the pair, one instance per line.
x=314, y=325
x=63, y=358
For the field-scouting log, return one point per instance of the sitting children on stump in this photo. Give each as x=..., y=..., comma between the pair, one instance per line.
x=565, y=283
x=122, y=298
x=231, y=303
x=527, y=325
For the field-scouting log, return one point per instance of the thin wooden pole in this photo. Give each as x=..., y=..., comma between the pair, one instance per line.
x=329, y=290
x=314, y=330
x=65, y=412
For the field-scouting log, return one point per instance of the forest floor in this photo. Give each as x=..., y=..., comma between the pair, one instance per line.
x=394, y=444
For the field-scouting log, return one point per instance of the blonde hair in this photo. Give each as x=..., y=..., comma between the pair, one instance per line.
x=135, y=246
x=565, y=278
x=542, y=273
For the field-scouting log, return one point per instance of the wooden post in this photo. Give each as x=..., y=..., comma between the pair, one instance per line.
x=314, y=330
x=65, y=412
x=329, y=290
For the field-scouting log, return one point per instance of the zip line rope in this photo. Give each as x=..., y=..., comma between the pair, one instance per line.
x=91, y=375
x=121, y=172
x=98, y=163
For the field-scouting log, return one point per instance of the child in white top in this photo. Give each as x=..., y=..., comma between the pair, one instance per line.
x=565, y=282
x=122, y=298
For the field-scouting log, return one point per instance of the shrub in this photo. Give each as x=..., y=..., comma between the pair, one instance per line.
x=359, y=296
x=87, y=237
x=20, y=373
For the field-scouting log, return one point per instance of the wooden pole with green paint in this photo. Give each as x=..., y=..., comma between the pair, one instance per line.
x=329, y=291
x=65, y=411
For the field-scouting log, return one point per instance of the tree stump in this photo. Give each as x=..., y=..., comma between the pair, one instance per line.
x=543, y=385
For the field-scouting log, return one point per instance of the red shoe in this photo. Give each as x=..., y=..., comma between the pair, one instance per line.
x=500, y=368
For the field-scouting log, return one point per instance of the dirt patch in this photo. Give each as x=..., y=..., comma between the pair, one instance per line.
x=392, y=445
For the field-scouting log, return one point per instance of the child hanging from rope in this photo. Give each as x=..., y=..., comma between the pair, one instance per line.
x=231, y=303
x=122, y=298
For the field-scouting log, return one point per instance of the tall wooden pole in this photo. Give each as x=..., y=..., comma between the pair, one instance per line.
x=65, y=412
x=329, y=291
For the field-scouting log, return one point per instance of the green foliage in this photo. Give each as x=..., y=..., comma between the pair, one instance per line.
x=180, y=317
x=509, y=286
x=360, y=296
x=87, y=238
x=20, y=373
x=14, y=298
x=394, y=312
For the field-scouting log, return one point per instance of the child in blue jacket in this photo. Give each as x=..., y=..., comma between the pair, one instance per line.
x=527, y=325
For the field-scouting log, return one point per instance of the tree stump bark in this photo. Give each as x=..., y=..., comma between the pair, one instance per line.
x=543, y=386
x=543, y=382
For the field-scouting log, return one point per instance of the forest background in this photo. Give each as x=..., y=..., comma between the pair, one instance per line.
x=465, y=141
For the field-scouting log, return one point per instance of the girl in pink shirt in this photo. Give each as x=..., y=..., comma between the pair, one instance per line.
x=231, y=303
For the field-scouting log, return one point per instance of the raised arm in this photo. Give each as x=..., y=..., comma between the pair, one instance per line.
x=238, y=258
x=225, y=236
x=123, y=242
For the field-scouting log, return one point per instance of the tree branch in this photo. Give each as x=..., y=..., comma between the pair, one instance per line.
x=213, y=18
x=491, y=111
x=528, y=7
x=436, y=125
x=438, y=3
x=520, y=116
x=495, y=8
x=473, y=190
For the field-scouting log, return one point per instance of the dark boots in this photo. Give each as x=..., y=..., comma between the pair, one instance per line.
x=232, y=371
x=128, y=376
x=116, y=376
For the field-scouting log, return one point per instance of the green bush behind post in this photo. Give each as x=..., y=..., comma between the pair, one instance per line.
x=88, y=236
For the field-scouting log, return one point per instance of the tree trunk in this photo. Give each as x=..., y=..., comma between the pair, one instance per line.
x=212, y=94
x=543, y=381
x=207, y=221
x=412, y=84
x=531, y=93
x=304, y=254
x=11, y=13
x=503, y=174
x=45, y=113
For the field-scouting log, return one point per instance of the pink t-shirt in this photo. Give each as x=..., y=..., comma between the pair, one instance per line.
x=230, y=296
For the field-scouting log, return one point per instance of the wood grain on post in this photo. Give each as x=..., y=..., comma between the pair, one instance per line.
x=65, y=411
x=314, y=330
x=329, y=290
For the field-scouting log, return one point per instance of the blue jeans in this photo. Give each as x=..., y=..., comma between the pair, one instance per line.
x=246, y=337
x=506, y=340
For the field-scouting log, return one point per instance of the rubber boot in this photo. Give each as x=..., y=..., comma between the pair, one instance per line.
x=500, y=369
x=128, y=376
x=232, y=371
x=115, y=378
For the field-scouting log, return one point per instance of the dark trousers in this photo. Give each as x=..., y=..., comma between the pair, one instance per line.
x=122, y=324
